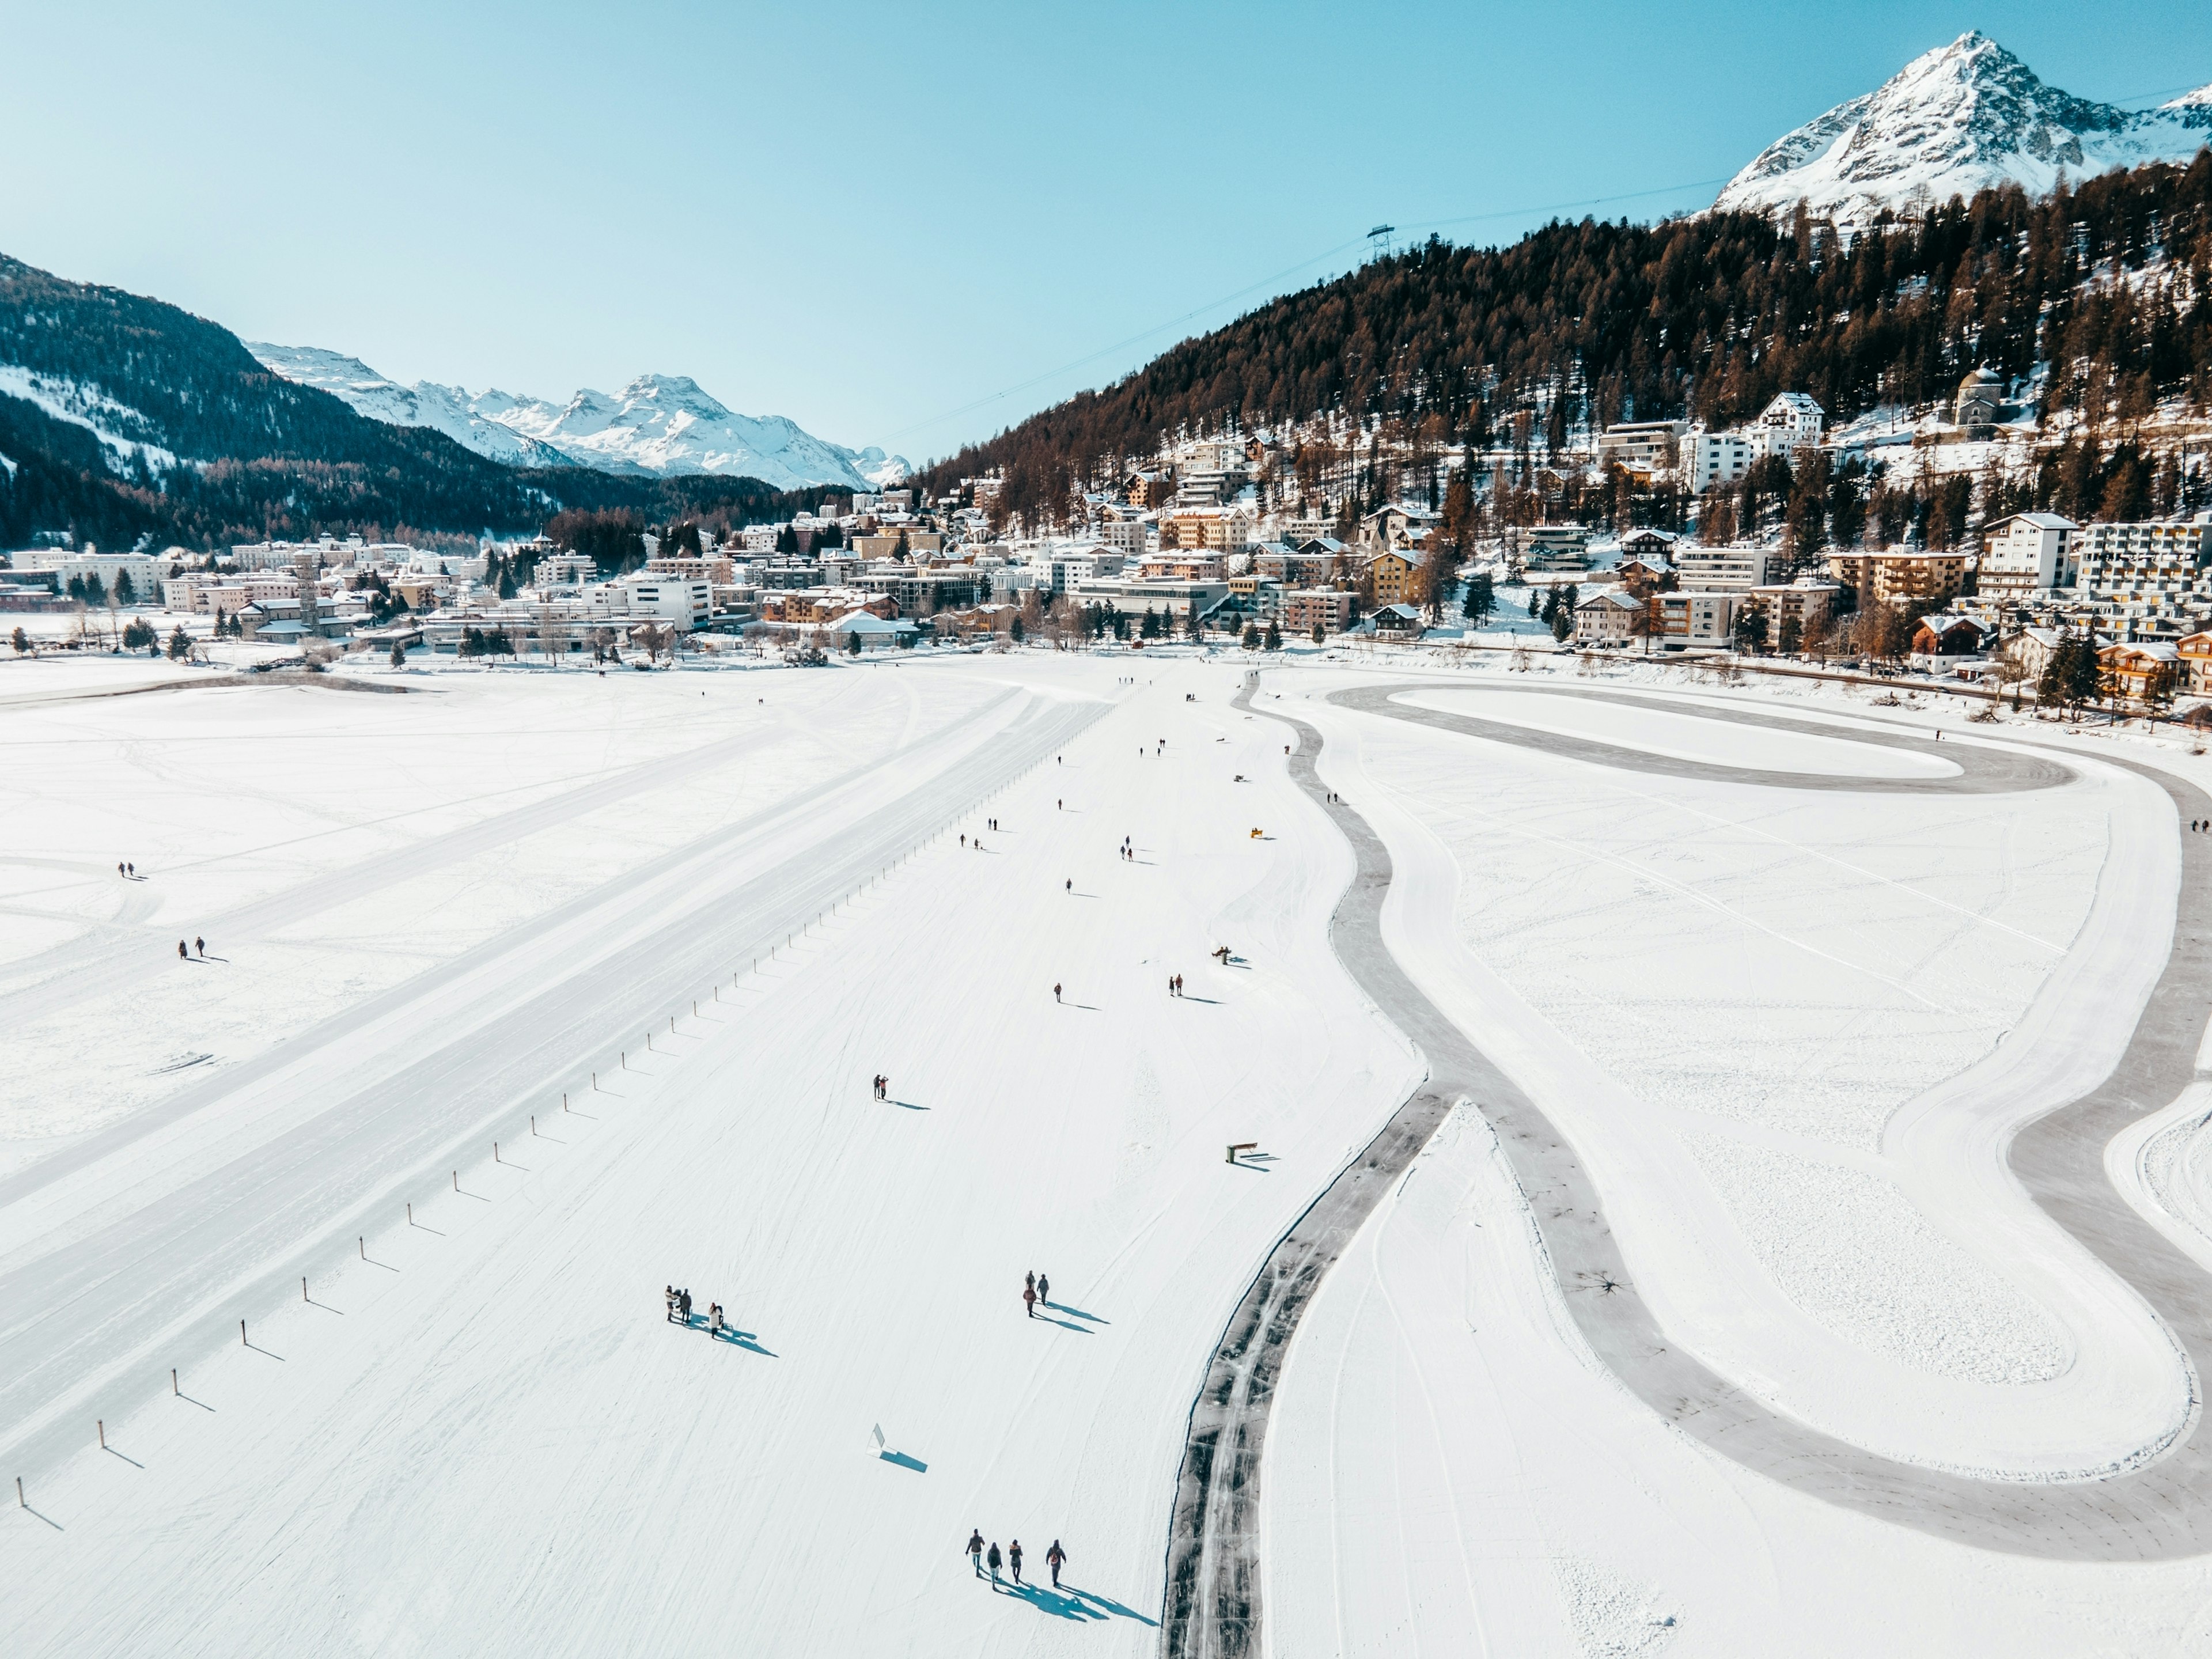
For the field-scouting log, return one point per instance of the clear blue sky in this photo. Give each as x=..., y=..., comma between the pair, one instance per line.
x=897, y=224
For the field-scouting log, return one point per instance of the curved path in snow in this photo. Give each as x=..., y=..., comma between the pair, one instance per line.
x=2162, y=1510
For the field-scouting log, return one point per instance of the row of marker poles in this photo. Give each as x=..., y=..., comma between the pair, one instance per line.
x=362, y=1242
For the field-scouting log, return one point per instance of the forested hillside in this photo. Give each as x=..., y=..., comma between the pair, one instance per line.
x=240, y=453
x=2109, y=283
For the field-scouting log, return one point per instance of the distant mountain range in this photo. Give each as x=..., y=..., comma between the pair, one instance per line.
x=659, y=425
x=1965, y=116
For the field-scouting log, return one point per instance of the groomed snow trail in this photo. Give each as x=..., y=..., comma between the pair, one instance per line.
x=2160, y=1510
x=479, y=1438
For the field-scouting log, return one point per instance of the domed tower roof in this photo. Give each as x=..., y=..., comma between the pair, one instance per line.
x=1982, y=378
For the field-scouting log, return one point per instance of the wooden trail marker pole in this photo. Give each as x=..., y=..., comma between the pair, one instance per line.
x=102, y=1424
x=456, y=1181
x=20, y=1504
x=242, y=1342
x=304, y=1297
x=363, y=1242
x=173, y=1388
x=494, y=1151
x=411, y=1215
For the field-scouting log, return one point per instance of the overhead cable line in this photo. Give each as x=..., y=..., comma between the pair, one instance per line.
x=1270, y=282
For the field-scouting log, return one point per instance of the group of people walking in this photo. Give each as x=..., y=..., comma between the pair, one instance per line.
x=679, y=1312
x=980, y=1556
x=883, y=1087
x=200, y=943
x=1174, y=986
x=1036, y=1288
x=128, y=872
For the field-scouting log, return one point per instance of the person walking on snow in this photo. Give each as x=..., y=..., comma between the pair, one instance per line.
x=183, y=952
x=715, y=1319
x=1056, y=1557
x=975, y=1553
x=994, y=1558
x=683, y=1303
x=1044, y=1290
x=199, y=945
x=1071, y=883
x=1055, y=993
x=668, y=1296
x=1029, y=1299
x=1014, y=1559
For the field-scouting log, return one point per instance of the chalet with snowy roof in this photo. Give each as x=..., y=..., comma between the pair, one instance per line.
x=1607, y=619
x=1650, y=546
x=2139, y=673
x=1398, y=622
x=1948, y=635
x=1397, y=524
x=873, y=632
x=1790, y=422
x=2194, y=653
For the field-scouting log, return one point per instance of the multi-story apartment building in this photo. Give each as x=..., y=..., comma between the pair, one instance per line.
x=1305, y=606
x=1215, y=529
x=1697, y=618
x=1793, y=608
x=1392, y=575
x=1714, y=458
x=1641, y=445
x=1735, y=568
x=1554, y=547
x=2144, y=581
x=1896, y=575
x=2024, y=554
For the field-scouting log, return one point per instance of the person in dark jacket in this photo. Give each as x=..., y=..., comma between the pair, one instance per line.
x=976, y=1553
x=1014, y=1559
x=993, y=1558
x=1056, y=1557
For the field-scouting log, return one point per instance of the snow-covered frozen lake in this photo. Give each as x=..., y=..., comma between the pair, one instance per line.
x=1787, y=1032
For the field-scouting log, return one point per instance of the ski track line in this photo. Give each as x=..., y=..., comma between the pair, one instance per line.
x=2160, y=1510
x=98, y=965
x=225, y=1242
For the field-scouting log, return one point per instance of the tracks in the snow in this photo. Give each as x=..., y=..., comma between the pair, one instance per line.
x=2162, y=1510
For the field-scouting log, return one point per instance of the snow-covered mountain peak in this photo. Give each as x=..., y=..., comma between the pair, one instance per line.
x=660, y=423
x=1954, y=120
